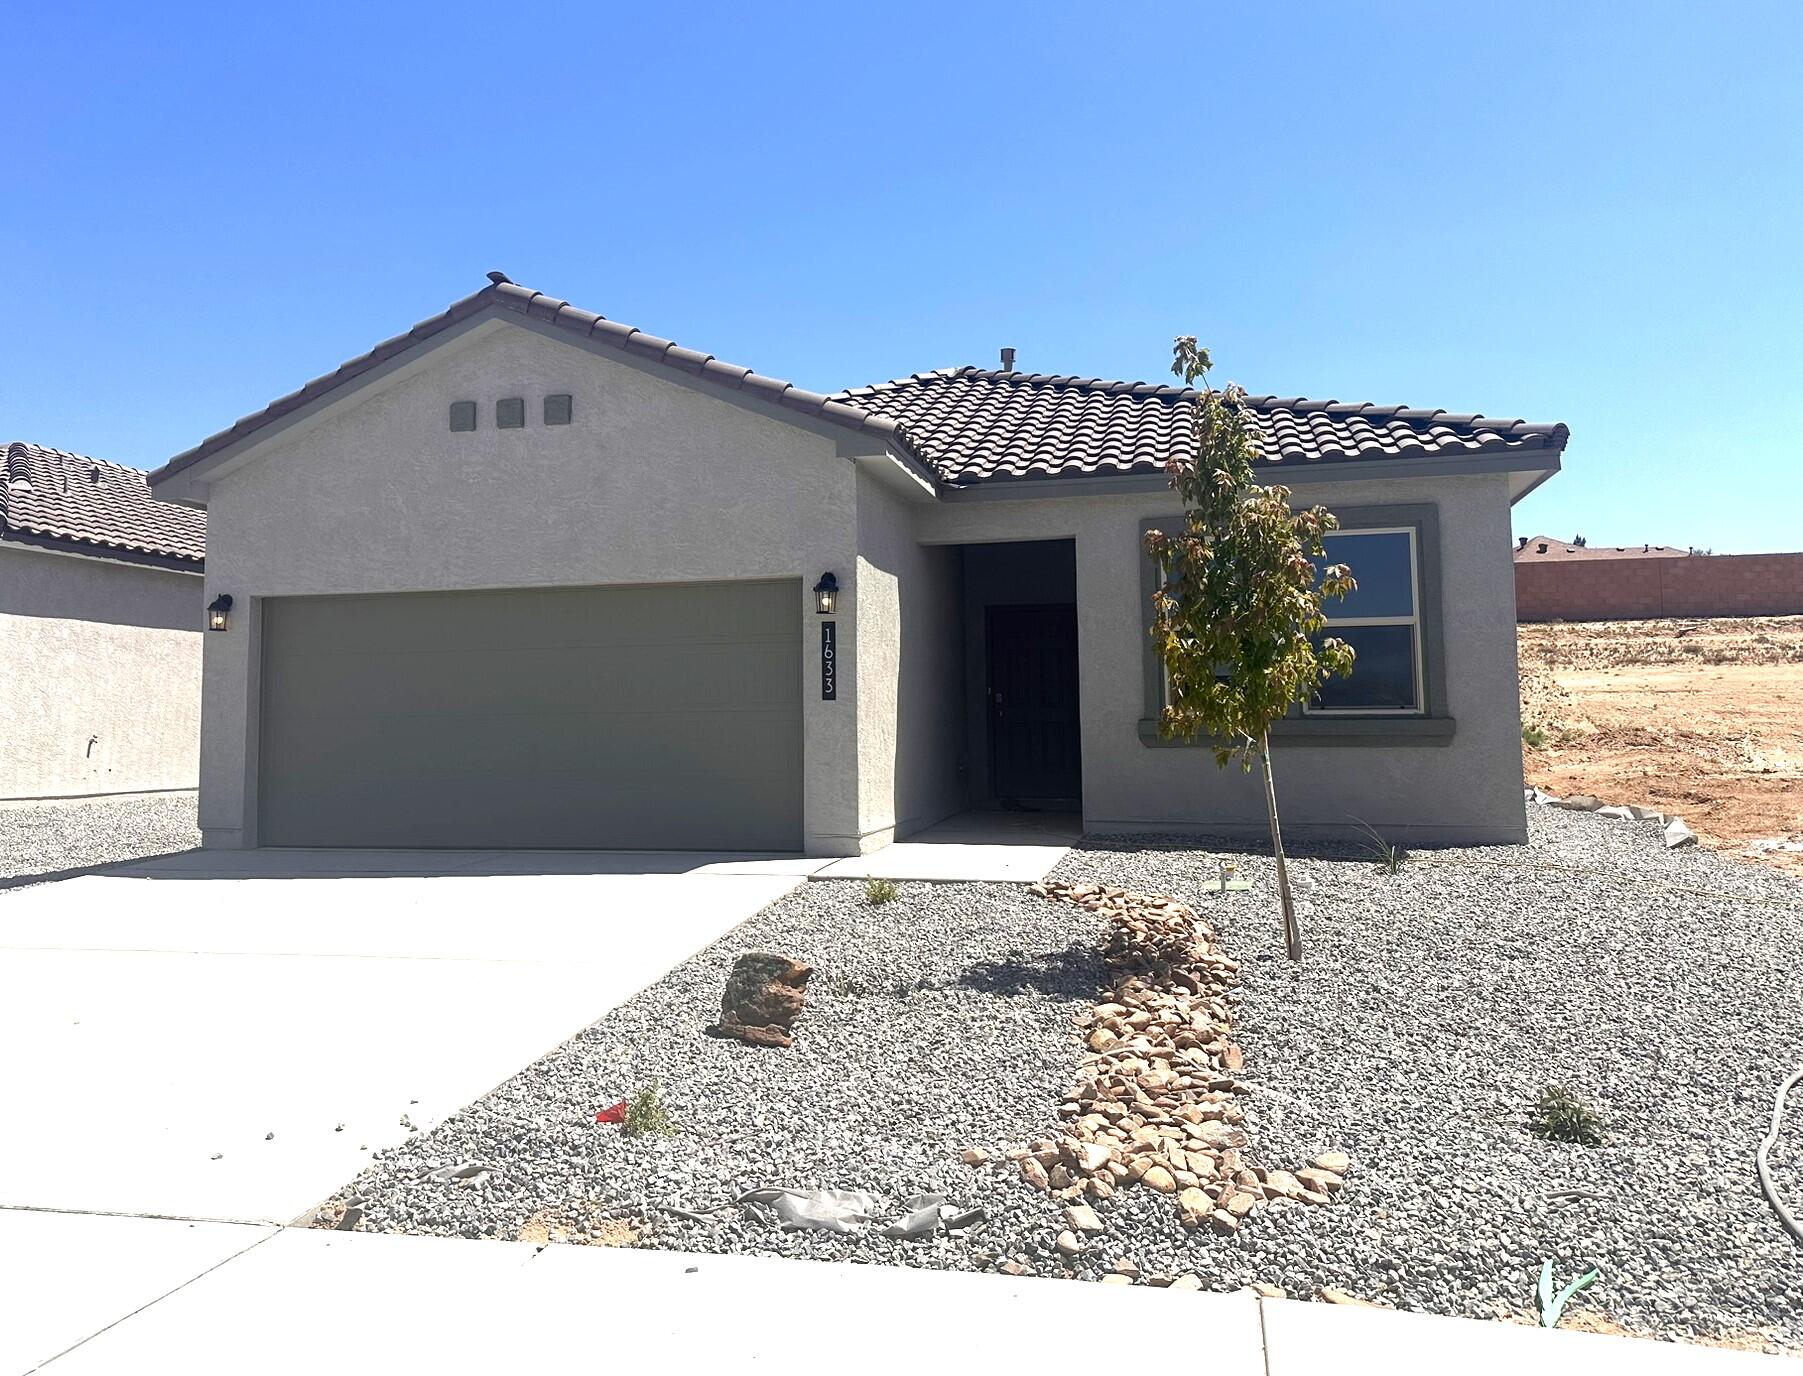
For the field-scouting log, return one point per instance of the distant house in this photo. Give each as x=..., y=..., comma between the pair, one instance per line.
x=1535, y=549
x=100, y=630
x=1565, y=580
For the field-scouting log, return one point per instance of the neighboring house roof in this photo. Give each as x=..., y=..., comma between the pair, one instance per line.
x=67, y=501
x=965, y=426
x=976, y=425
x=1539, y=549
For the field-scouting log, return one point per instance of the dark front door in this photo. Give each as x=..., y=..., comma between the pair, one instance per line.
x=1033, y=751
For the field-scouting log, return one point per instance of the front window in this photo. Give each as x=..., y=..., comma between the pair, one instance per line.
x=1381, y=621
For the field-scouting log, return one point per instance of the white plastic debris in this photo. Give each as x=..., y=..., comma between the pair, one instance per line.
x=848, y=1211
x=1624, y=814
x=1765, y=845
x=826, y=1211
x=1677, y=834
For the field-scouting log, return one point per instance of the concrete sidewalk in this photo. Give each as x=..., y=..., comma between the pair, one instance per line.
x=87, y=1294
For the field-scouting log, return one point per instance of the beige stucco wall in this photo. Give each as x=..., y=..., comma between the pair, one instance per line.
x=655, y=481
x=910, y=671
x=1466, y=790
x=99, y=676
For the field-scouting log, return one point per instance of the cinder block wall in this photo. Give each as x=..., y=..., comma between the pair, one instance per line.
x=1641, y=589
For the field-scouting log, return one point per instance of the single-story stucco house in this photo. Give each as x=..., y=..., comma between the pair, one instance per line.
x=100, y=630
x=527, y=577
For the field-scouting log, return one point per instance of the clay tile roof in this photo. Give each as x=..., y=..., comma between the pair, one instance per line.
x=963, y=426
x=974, y=425
x=51, y=497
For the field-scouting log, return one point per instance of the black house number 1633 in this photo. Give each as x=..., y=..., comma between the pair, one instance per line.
x=829, y=661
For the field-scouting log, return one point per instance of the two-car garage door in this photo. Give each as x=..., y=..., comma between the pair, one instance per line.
x=664, y=717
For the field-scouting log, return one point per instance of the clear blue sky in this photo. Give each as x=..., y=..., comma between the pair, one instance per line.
x=1582, y=212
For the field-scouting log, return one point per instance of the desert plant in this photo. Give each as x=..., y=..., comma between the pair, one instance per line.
x=1534, y=737
x=1390, y=857
x=646, y=1115
x=1236, y=615
x=880, y=891
x=1560, y=1116
x=1552, y=1304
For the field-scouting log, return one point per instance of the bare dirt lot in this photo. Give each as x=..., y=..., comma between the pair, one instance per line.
x=1700, y=718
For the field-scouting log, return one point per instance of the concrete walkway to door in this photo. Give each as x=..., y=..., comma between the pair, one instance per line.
x=229, y=1036
x=973, y=847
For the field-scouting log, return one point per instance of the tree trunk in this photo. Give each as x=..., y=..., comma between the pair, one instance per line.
x=1292, y=934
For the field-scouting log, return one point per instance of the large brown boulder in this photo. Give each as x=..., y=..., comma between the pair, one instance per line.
x=764, y=995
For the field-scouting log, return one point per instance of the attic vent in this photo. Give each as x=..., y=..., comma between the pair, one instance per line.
x=510, y=413
x=1539, y=549
x=463, y=415
x=1007, y=360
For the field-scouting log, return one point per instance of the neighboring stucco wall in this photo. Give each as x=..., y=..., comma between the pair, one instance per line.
x=99, y=676
x=655, y=481
x=1466, y=790
x=910, y=671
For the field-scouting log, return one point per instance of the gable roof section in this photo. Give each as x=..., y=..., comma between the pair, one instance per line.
x=506, y=295
x=979, y=426
x=68, y=501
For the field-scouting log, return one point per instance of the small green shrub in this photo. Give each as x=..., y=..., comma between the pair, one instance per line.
x=1390, y=858
x=1552, y=1302
x=880, y=891
x=1560, y=1116
x=646, y=1115
x=1534, y=737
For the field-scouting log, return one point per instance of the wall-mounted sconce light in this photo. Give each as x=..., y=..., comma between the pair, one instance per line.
x=826, y=594
x=219, y=612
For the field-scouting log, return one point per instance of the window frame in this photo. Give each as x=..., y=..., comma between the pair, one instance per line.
x=1417, y=639
x=1431, y=724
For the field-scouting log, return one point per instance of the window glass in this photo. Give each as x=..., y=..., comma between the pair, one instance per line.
x=1379, y=621
x=1381, y=564
x=1383, y=679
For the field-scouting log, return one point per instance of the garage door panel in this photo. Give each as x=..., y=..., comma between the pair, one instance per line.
x=684, y=678
x=646, y=717
x=501, y=747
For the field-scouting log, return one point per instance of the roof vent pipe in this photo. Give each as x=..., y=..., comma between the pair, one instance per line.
x=1007, y=360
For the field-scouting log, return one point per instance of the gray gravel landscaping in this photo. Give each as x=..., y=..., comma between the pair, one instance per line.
x=1665, y=988
x=937, y=1020
x=51, y=838
x=1661, y=986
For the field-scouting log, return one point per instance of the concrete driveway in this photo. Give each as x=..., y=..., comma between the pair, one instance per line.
x=231, y=1037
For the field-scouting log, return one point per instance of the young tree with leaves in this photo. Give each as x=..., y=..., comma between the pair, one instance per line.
x=1236, y=615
